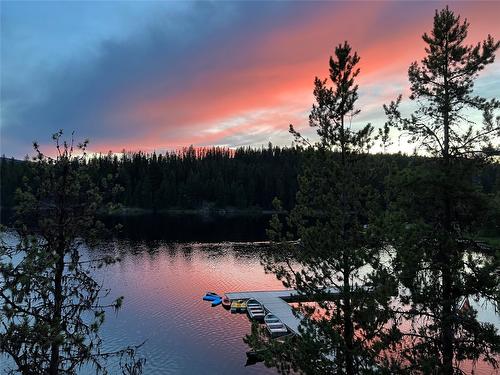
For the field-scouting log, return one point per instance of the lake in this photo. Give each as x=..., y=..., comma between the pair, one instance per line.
x=168, y=263
x=163, y=285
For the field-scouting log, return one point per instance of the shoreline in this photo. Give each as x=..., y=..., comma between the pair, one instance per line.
x=204, y=211
x=228, y=211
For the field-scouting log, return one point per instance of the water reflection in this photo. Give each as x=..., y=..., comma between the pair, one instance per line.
x=189, y=228
x=164, y=279
x=163, y=285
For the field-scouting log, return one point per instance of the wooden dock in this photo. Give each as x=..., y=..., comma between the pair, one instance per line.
x=274, y=301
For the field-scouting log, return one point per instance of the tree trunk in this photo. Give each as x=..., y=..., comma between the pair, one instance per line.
x=56, y=321
x=60, y=246
x=447, y=324
x=447, y=334
x=348, y=329
x=447, y=257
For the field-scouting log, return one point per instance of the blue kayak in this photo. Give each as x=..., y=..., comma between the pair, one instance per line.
x=216, y=302
x=210, y=296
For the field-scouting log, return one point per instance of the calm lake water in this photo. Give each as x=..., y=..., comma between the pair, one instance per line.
x=168, y=263
x=163, y=285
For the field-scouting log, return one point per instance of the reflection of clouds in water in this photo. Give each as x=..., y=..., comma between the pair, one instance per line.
x=163, y=284
x=163, y=291
x=168, y=229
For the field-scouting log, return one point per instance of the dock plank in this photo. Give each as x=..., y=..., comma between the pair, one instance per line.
x=274, y=302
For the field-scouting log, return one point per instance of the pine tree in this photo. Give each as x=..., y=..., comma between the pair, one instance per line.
x=339, y=243
x=51, y=307
x=437, y=205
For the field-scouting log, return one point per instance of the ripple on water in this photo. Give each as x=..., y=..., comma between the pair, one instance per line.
x=163, y=286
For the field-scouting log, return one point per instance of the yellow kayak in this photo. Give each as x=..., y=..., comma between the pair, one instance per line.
x=238, y=306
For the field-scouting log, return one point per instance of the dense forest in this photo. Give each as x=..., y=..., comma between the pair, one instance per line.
x=244, y=178
x=187, y=179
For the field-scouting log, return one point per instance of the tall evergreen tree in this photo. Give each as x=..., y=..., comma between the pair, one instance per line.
x=338, y=241
x=51, y=306
x=437, y=206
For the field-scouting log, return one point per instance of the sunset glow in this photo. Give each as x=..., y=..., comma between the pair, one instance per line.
x=231, y=74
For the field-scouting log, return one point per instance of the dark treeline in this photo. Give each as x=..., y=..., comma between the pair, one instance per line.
x=245, y=178
x=188, y=179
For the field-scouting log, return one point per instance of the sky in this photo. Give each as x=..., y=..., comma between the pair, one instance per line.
x=157, y=76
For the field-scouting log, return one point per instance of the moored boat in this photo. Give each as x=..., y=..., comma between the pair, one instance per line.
x=255, y=310
x=238, y=306
x=226, y=303
x=210, y=296
x=274, y=326
x=255, y=356
x=216, y=302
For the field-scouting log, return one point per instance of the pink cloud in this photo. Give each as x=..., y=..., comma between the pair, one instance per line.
x=269, y=74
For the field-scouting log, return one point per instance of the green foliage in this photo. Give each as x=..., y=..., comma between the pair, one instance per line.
x=51, y=307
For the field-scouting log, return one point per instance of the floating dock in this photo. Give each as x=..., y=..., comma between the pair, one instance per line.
x=274, y=301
